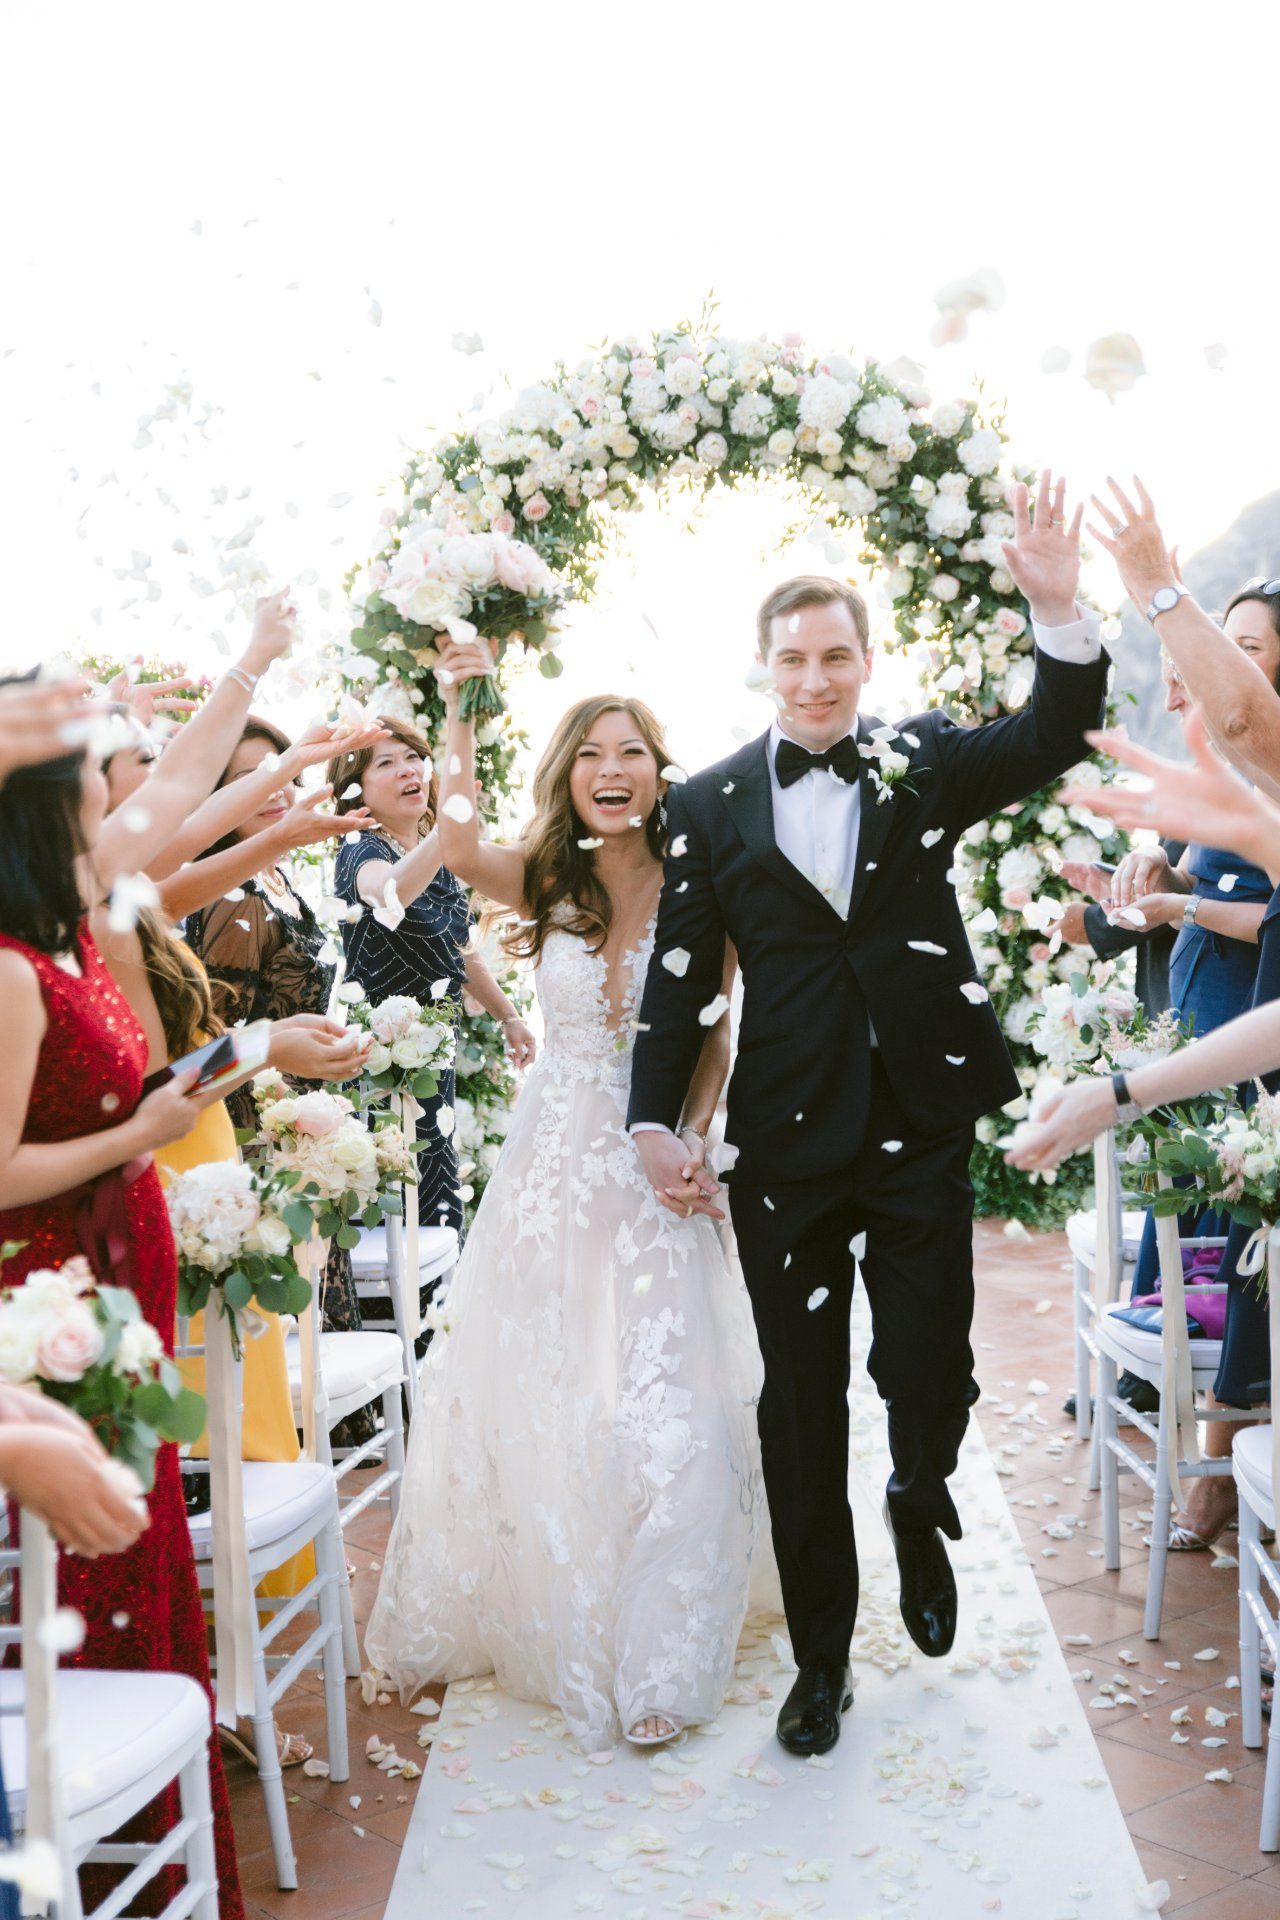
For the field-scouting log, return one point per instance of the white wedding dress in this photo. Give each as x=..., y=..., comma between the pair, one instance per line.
x=583, y=1496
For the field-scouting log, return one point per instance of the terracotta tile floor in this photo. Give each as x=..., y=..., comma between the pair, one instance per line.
x=1201, y=1838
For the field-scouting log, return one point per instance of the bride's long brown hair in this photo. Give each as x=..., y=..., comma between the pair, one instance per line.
x=561, y=885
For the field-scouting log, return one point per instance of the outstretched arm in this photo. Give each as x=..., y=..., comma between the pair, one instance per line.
x=1240, y=706
x=190, y=767
x=993, y=766
x=1242, y=1050
x=496, y=872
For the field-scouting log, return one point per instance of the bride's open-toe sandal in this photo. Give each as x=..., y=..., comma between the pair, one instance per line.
x=652, y=1730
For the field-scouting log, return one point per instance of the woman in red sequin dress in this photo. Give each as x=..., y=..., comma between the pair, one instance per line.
x=76, y=1137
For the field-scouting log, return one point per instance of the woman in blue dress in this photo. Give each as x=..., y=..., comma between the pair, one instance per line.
x=1226, y=961
x=416, y=953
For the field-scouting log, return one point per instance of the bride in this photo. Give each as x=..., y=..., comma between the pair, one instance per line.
x=583, y=1493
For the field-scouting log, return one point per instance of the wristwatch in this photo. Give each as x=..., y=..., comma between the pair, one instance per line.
x=1191, y=909
x=1127, y=1107
x=1164, y=600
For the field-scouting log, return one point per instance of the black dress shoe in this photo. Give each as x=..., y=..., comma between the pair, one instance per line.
x=810, y=1717
x=928, y=1588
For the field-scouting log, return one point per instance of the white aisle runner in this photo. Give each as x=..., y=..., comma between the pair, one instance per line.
x=961, y=1787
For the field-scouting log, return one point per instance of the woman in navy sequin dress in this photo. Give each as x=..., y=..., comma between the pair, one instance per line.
x=424, y=954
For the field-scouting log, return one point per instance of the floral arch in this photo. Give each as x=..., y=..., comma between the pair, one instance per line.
x=504, y=522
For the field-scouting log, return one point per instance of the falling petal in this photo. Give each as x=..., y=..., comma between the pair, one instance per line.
x=678, y=845
x=1227, y=881
x=891, y=1146
x=467, y=343
x=858, y=1246
x=817, y=1297
x=676, y=776
x=956, y=1059
x=458, y=807
x=587, y=846
x=713, y=1010
x=926, y=946
x=676, y=961
x=1054, y=360
x=973, y=992
x=931, y=838
x=1216, y=356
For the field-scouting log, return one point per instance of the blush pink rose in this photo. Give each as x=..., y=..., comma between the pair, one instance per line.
x=590, y=406
x=537, y=507
x=70, y=1345
x=1040, y=951
x=1016, y=897
x=504, y=522
x=318, y=1115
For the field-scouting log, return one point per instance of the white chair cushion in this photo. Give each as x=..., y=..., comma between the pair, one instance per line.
x=1251, y=1463
x=437, y=1252
x=113, y=1729
x=279, y=1496
x=362, y=1364
x=1144, y=1352
x=1082, y=1234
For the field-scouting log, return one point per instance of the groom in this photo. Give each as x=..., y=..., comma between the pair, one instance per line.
x=867, y=1050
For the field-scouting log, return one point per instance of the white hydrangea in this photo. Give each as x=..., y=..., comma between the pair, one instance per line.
x=980, y=453
x=713, y=449
x=858, y=498
x=1082, y=847
x=752, y=416
x=949, y=418
x=1020, y=870
x=949, y=517
x=825, y=403
x=884, y=420
x=682, y=373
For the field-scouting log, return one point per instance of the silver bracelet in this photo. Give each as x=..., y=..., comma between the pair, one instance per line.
x=249, y=681
x=697, y=1131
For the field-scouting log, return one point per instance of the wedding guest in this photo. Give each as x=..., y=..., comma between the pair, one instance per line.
x=1221, y=673
x=35, y=716
x=261, y=947
x=53, y=1464
x=422, y=951
x=76, y=1136
x=1206, y=797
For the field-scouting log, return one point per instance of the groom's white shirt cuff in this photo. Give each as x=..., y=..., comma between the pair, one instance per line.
x=649, y=1126
x=1078, y=644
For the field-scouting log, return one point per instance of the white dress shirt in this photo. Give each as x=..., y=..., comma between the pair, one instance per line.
x=816, y=820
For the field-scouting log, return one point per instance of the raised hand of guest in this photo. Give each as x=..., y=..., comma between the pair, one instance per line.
x=1205, y=801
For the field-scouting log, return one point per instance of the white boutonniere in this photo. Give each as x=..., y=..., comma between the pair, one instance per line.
x=890, y=768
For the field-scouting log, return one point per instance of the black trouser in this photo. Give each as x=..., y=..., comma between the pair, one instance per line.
x=915, y=1206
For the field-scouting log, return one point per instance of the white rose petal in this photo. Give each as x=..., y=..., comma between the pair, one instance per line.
x=445, y=1121
x=891, y=1146
x=677, y=962
x=973, y=992
x=458, y=807
x=678, y=845
x=926, y=946
x=1227, y=882
x=956, y=1059
x=931, y=838
x=817, y=1297
x=713, y=1010
x=642, y=1283
x=676, y=776
x=1221, y=1775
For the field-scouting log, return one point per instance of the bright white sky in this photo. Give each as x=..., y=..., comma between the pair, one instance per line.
x=550, y=175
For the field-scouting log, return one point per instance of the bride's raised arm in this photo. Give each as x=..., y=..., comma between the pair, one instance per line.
x=497, y=872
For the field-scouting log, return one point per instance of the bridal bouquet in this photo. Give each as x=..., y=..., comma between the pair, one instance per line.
x=235, y=1227
x=351, y=1170
x=412, y=1044
x=89, y=1347
x=441, y=579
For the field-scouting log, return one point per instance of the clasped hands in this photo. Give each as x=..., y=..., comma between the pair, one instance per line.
x=676, y=1168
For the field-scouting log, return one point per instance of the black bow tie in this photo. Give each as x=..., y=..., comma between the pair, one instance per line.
x=793, y=762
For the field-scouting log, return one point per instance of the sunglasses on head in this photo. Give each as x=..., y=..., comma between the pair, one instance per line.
x=1268, y=588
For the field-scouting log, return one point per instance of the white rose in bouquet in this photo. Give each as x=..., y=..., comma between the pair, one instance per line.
x=278, y=1116
x=752, y=416
x=1019, y=872
x=394, y=1156
x=140, y=1349
x=949, y=418
x=269, y=1235
x=379, y=1058
x=980, y=453
x=414, y=1050
x=49, y=1288
x=949, y=517
x=19, y=1339
x=468, y=558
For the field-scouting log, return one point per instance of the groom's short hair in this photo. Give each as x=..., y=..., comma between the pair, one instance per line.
x=811, y=590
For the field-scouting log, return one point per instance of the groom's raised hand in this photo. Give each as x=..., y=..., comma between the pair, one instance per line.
x=681, y=1182
x=1044, y=554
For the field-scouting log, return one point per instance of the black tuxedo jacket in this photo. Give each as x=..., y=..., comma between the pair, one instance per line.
x=815, y=983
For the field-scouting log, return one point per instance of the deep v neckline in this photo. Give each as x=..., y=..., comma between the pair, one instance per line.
x=616, y=1018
